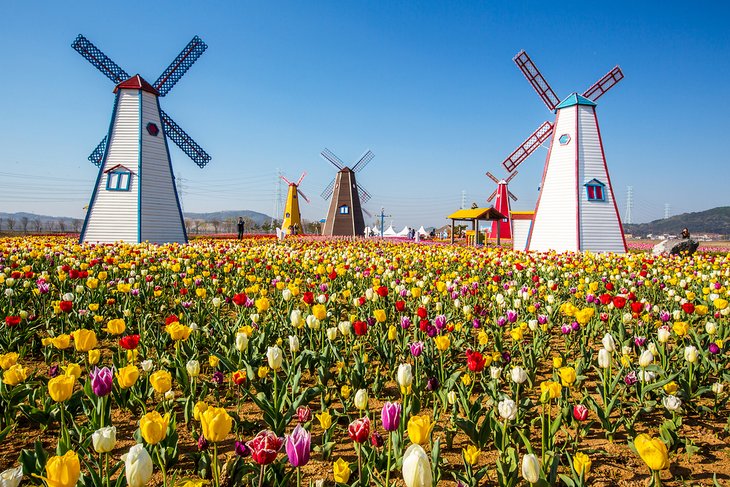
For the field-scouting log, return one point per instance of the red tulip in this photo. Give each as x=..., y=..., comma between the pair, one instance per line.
x=688, y=308
x=308, y=297
x=400, y=305
x=475, y=361
x=360, y=327
x=609, y=286
x=11, y=321
x=171, y=319
x=66, y=306
x=580, y=412
x=129, y=342
x=239, y=299
x=359, y=430
x=619, y=302
x=422, y=313
x=264, y=447
x=605, y=298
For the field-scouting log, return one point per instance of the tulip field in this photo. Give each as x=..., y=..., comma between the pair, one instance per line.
x=360, y=362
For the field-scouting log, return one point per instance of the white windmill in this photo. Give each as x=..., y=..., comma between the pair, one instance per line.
x=576, y=209
x=135, y=198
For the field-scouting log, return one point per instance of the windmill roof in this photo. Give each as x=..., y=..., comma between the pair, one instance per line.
x=137, y=82
x=476, y=214
x=575, y=99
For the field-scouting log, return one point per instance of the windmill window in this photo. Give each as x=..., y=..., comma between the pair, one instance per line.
x=595, y=190
x=564, y=139
x=344, y=210
x=118, y=180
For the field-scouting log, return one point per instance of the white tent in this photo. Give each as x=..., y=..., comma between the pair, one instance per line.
x=422, y=231
x=404, y=232
x=390, y=232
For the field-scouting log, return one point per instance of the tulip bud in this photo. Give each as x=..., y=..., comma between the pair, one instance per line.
x=451, y=396
x=416, y=467
x=608, y=342
x=690, y=354
x=710, y=328
x=495, y=372
x=193, y=368
x=241, y=342
x=361, y=399
x=519, y=375
x=404, y=376
x=293, y=343
x=646, y=358
x=274, y=357
x=604, y=358
x=137, y=466
x=104, y=439
x=332, y=334
x=530, y=468
x=296, y=318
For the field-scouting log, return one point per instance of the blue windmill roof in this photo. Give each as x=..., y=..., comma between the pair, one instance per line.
x=575, y=99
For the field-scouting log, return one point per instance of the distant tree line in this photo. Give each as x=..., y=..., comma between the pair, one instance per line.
x=25, y=225
x=196, y=226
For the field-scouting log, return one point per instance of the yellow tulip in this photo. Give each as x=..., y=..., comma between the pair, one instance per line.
x=15, y=375
x=319, y=311
x=557, y=362
x=325, y=419
x=419, y=427
x=72, y=369
x=341, y=470
x=161, y=381
x=701, y=309
x=127, y=376
x=392, y=333
x=567, y=376
x=7, y=360
x=199, y=408
x=680, y=328
x=153, y=427
x=94, y=356
x=584, y=315
x=671, y=387
x=262, y=372
x=84, y=340
x=582, y=464
x=216, y=423
x=213, y=361
x=549, y=390
x=516, y=334
x=720, y=303
x=61, y=387
x=471, y=454
x=345, y=391
x=653, y=451
x=262, y=304
x=116, y=327
x=61, y=342
x=178, y=331
x=63, y=471
x=201, y=292
x=379, y=315
x=442, y=342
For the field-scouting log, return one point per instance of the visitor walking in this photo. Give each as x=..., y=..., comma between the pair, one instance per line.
x=241, y=227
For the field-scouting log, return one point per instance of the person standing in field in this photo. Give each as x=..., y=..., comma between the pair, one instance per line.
x=241, y=227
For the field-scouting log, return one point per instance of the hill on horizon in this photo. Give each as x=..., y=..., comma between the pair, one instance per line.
x=255, y=216
x=715, y=220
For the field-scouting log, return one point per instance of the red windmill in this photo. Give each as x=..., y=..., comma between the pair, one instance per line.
x=501, y=204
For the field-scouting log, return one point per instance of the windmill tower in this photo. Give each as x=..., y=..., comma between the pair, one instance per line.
x=576, y=209
x=135, y=198
x=501, y=204
x=344, y=216
x=292, y=216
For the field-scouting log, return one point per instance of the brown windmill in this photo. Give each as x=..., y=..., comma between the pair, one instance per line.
x=344, y=216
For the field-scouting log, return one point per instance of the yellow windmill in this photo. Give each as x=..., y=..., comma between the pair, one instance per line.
x=292, y=221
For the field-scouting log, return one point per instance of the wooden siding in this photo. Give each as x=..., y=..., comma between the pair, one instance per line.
x=555, y=216
x=160, y=214
x=600, y=226
x=520, y=232
x=113, y=214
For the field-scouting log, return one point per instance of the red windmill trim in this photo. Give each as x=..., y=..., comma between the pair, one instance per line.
x=136, y=82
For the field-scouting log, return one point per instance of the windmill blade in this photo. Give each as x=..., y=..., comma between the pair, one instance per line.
x=511, y=195
x=528, y=147
x=328, y=190
x=301, y=178
x=491, y=197
x=536, y=79
x=101, y=61
x=509, y=178
x=327, y=154
x=364, y=195
x=364, y=161
x=492, y=177
x=170, y=76
x=98, y=154
x=604, y=84
x=302, y=195
x=286, y=180
x=184, y=141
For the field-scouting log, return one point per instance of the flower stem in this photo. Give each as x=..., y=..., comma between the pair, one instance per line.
x=216, y=479
x=162, y=466
x=387, y=472
x=261, y=475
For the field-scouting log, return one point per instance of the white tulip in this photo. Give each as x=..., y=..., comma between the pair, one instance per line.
x=495, y=372
x=361, y=399
x=710, y=328
x=65, y=297
x=646, y=376
x=663, y=335
x=608, y=342
x=286, y=294
x=274, y=357
x=718, y=387
x=241, y=342
x=103, y=440
x=137, y=466
x=293, y=343
x=451, y=396
x=146, y=365
x=416, y=467
x=332, y=334
x=626, y=350
x=604, y=358
x=216, y=302
x=652, y=348
x=530, y=468
x=507, y=409
x=345, y=328
x=11, y=477
x=672, y=403
x=404, y=376
x=321, y=299
x=369, y=294
x=193, y=368
x=312, y=322
x=170, y=395
x=646, y=358
x=690, y=354
x=296, y=318
x=518, y=375
x=532, y=325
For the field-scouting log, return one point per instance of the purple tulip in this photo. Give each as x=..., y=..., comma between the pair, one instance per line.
x=405, y=322
x=542, y=319
x=218, y=377
x=575, y=326
x=506, y=357
x=298, y=446
x=664, y=316
x=511, y=315
x=304, y=414
x=202, y=443
x=501, y=321
x=432, y=384
x=565, y=329
x=440, y=322
x=376, y=439
x=390, y=416
x=242, y=449
x=432, y=331
x=476, y=323
x=416, y=348
x=53, y=370
x=714, y=348
x=639, y=341
x=101, y=381
x=630, y=378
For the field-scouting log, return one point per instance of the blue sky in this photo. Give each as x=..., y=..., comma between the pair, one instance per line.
x=429, y=87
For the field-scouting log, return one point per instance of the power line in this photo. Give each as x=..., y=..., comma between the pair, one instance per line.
x=629, y=203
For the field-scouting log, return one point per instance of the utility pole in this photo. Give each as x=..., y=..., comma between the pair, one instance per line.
x=382, y=219
x=463, y=199
x=666, y=210
x=629, y=203
x=277, y=197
